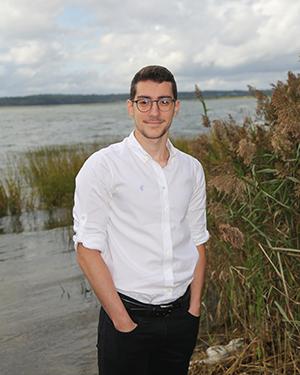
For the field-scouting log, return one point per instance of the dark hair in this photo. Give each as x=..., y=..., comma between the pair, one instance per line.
x=154, y=73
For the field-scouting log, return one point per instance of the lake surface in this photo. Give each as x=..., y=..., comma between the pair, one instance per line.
x=48, y=317
x=48, y=320
x=24, y=128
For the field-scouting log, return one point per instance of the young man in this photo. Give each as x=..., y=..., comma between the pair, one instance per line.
x=140, y=229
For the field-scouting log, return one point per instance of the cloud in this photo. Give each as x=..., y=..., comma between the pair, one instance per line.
x=96, y=46
x=31, y=52
x=28, y=19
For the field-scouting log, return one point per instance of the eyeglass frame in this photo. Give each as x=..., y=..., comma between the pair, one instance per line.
x=153, y=101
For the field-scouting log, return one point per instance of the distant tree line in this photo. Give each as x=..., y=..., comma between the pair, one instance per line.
x=56, y=99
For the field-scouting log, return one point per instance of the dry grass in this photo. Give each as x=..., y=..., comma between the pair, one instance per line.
x=253, y=281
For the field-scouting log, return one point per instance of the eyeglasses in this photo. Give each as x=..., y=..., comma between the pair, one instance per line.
x=145, y=104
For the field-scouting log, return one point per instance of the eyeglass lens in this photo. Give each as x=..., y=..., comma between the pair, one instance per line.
x=145, y=104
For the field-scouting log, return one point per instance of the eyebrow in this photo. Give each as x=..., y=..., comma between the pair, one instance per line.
x=149, y=97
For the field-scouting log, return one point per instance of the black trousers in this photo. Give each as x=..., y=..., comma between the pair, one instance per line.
x=159, y=345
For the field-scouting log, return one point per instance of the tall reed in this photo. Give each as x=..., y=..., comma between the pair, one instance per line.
x=253, y=179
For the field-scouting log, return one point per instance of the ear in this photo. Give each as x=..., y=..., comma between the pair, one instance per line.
x=177, y=107
x=130, y=107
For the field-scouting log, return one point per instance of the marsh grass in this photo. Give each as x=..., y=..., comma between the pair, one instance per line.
x=51, y=171
x=10, y=193
x=13, y=186
x=253, y=177
x=43, y=179
x=183, y=144
x=3, y=200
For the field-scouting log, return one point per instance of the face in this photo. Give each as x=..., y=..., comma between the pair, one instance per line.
x=153, y=124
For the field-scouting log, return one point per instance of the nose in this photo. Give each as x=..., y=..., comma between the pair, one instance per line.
x=154, y=108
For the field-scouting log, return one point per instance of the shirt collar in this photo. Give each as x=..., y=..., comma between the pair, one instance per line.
x=143, y=154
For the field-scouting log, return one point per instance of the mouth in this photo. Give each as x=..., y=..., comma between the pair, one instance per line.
x=153, y=122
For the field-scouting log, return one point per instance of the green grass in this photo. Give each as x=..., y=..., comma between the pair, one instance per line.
x=43, y=179
x=3, y=200
x=50, y=172
x=10, y=193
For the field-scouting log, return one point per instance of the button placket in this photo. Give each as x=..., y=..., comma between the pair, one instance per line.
x=166, y=229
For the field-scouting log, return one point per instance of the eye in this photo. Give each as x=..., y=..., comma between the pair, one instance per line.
x=165, y=102
x=143, y=102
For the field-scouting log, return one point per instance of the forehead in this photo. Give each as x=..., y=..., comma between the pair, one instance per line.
x=154, y=89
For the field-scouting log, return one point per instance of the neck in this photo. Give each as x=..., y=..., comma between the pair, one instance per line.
x=156, y=148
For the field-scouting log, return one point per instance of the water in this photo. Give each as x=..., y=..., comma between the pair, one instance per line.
x=23, y=128
x=48, y=318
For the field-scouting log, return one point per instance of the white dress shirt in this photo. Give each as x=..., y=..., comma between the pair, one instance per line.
x=145, y=219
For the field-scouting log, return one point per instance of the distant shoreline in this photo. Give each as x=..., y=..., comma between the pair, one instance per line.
x=59, y=99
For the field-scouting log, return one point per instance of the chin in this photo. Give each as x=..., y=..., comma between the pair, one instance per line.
x=155, y=133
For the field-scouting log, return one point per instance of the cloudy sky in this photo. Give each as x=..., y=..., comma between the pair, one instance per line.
x=95, y=46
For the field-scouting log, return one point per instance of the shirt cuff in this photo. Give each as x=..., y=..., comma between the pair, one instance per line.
x=90, y=243
x=201, y=239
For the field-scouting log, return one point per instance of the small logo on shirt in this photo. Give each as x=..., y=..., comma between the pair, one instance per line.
x=141, y=187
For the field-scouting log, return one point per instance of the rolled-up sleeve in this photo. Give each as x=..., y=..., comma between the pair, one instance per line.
x=91, y=203
x=197, y=207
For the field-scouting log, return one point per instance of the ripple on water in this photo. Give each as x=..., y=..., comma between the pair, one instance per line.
x=48, y=321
